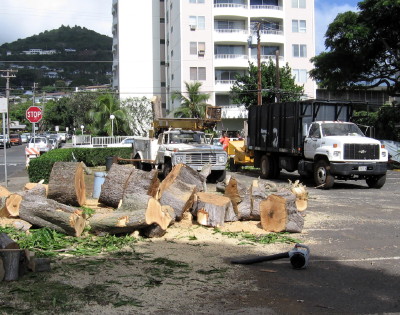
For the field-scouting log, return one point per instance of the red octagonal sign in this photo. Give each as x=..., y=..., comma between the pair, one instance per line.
x=34, y=114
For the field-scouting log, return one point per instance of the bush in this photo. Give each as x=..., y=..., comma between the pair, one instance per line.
x=40, y=168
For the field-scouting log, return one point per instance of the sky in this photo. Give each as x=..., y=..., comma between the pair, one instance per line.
x=24, y=18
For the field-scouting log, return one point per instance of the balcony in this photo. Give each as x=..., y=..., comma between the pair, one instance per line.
x=231, y=35
x=270, y=11
x=229, y=60
x=223, y=85
x=226, y=9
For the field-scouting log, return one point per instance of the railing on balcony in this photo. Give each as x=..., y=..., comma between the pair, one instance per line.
x=266, y=7
x=231, y=30
x=225, y=82
x=230, y=56
x=230, y=5
x=271, y=32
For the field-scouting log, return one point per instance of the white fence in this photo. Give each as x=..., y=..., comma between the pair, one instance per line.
x=89, y=141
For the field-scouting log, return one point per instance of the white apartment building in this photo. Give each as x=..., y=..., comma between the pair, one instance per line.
x=160, y=44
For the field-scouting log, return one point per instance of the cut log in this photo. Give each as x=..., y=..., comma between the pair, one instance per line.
x=2, y=272
x=18, y=224
x=7, y=243
x=300, y=191
x=210, y=209
x=129, y=221
x=11, y=206
x=49, y=213
x=178, y=195
x=279, y=213
x=4, y=192
x=237, y=194
x=186, y=174
x=36, y=264
x=67, y=183
x=112, y=190
x=257, y=194
x=30, y=186
x=142, y=182
x=10, y=259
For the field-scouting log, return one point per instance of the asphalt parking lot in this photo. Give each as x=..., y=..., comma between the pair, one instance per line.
x=354, y=236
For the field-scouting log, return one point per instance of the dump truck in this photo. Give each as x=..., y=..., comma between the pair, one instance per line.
x=181, y=140
x=315, y=138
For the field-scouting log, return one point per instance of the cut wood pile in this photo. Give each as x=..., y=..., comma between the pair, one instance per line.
x=134, y=200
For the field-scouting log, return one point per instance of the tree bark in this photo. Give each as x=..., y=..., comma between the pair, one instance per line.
x=10, y=259
x=112, y=190
x=142, y=182
x=257, y=193
x=2, y=272
x=279, y=213
x=67, y=183
x=186, y=174
x=49, y=213
x=237, y=194
x=7, y=243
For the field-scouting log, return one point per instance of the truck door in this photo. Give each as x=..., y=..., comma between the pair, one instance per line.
x=312, y=141
x=162, y=140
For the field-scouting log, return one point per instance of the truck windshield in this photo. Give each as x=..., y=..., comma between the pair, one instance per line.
x=337, y=129
x=186, y=137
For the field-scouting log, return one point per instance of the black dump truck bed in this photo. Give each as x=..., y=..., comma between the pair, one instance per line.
x=280, y=127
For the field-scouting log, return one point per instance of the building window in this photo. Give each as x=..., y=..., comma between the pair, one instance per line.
x=299, y=26
x=197, y=48
x=196, y=1
x=299, y=4
x=172, y=53
x=299, y=51
x=300, y=75
x=198, y=22
x=198, y=74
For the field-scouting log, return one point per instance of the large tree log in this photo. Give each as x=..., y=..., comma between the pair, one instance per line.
x=18, y=224
x=7, y=243
x=210, y=209
x=112, y=190
x=279, y=213
x=49, y=213
x=10, y=259
x=240, y=199
x=132, y=219
x=30, y=186
x=4, y=192
x=257, y=193
x=142, y=182
x=186, y=174
x=67, y=183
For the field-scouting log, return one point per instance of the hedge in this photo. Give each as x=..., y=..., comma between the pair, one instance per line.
x=40, y=168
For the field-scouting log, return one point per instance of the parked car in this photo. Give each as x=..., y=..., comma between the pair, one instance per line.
x=27, y=134
x=127, y=142
x=53, y=143
x=63, y=136
x=40, y=143
x=8, y=144
x=24, y=138
x=57, y=138
x=15, y=139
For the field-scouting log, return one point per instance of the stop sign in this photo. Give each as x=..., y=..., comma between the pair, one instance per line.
x=34, y=114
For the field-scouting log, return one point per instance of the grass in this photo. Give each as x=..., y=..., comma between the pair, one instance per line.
x=248, y=238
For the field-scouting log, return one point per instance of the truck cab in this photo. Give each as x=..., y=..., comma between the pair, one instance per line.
x=334, y=149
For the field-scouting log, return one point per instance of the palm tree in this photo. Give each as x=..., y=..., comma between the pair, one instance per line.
x=194, y=105
x=107, y=105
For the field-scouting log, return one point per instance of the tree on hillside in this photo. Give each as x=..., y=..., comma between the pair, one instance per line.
x=101, y=124
x=244, y=89
x=194, y=104
x=58, y=113
x=362, y=48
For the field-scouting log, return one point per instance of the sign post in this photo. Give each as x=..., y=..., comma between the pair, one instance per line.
x=34, y=115
x=4, y=111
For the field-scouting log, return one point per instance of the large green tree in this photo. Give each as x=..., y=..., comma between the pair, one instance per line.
x=101, y=123
x=193, y=101
x=139, y=115
x=245, y=88
x=363, y=48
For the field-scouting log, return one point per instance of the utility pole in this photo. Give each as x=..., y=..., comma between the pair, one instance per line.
x=278, y=78
x=34, y=90
x=259, y=95
x=8, y=76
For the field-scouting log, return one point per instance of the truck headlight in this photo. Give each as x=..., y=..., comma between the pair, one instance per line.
x=179, y=159
x=336, y=153
x=221, y=159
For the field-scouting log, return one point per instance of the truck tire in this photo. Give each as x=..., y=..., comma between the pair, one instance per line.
x=376, y=181
x=322, y=175
x=138, y=164
x=217, y=176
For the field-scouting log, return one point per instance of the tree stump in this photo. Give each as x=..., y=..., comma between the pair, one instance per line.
x=185, y=174
x=67, y=183
x=112, y=190
x=240, y=199
x=49, y=213
x=210, y=209
x=279, y=213
x=10, y=259
x=257, y=194
x=142, y=182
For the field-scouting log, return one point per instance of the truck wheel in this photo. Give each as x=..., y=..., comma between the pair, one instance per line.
x=232, y=166
x=275, y=170
x=265, y=167
x=217, y=176
x=167, y=168
x=322, y=175
x=376, y=181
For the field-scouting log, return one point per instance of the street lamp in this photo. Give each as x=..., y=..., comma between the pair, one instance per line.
x=112, y=125
x=82, y=126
